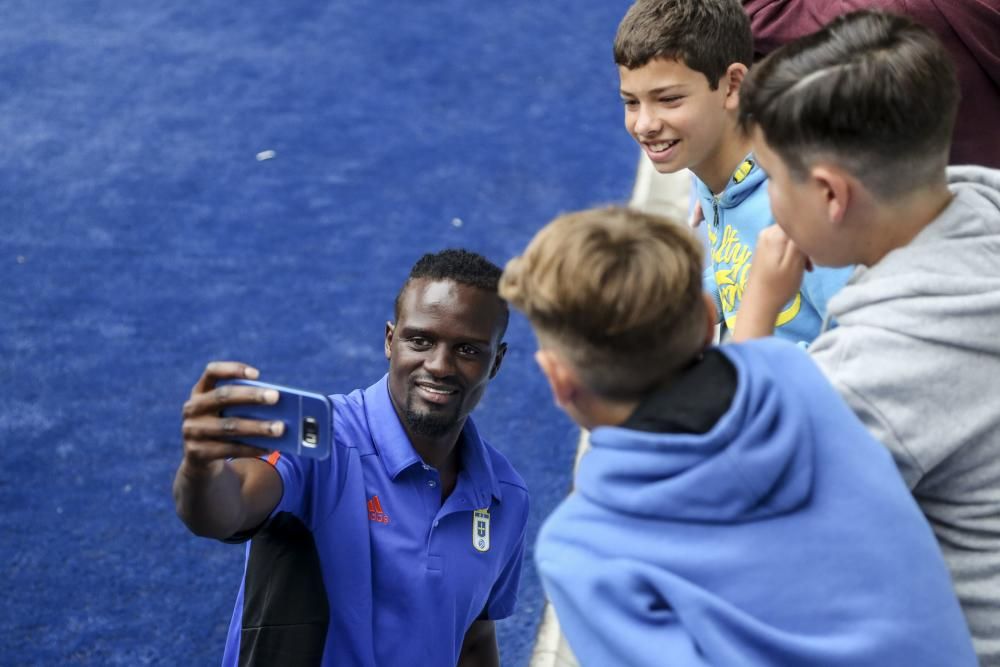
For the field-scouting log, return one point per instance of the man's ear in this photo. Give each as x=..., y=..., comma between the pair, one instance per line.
x=390, y=329
x=562, y=379
x=733, y=80
x=836, y=189
x=498, y=359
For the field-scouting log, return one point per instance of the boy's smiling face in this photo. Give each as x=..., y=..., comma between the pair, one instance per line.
x=678, y=120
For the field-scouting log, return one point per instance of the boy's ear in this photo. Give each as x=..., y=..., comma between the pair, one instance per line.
x=562, y=379
x=733, y=80
x=835, y=188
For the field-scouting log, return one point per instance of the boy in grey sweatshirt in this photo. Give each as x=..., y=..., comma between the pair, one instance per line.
x=852, y=124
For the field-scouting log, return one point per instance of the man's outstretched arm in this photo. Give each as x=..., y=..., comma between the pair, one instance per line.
x=222, y=487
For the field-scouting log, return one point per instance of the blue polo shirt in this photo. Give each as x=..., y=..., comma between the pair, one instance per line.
x=361, y=564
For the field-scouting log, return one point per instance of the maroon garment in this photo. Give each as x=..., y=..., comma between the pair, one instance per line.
x=969, y=29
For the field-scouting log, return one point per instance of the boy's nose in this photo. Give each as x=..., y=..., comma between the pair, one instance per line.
x=646, y=122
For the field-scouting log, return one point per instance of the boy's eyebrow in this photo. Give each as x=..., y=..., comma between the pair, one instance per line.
x=654, y=91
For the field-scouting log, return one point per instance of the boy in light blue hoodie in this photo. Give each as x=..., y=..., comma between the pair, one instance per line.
x=731, y=510
x=681, y=64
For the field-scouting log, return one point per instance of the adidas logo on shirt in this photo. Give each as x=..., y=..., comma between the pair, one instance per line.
x=375, y=512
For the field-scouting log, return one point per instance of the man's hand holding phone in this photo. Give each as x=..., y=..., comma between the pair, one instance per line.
x=209, y=435
x=222, y=487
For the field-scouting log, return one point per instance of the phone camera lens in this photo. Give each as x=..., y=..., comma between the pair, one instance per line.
x=310, y=432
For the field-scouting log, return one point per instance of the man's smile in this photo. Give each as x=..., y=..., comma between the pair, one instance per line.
x=436, y=392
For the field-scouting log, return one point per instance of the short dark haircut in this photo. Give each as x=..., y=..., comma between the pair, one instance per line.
x=461, y=266
x=875, y=92
x=706, y=35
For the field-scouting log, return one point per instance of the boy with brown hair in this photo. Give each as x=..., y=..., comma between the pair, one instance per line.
x=731, y=509
x=681, y=65
x=853, y=124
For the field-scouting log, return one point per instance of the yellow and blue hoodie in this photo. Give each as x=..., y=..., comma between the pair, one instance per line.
x=735, y=217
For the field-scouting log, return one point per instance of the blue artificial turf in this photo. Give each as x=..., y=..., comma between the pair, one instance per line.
x=142, y=238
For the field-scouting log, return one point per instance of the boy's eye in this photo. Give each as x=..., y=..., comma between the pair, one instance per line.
x=630, y=103
x=671, y=100
x=468, y=350
x=420, y=343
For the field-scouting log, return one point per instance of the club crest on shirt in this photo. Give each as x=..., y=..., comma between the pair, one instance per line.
x=481, y=529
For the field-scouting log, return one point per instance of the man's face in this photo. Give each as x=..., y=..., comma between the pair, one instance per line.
x=798, y=206
x=443, y=350
x=678, y=120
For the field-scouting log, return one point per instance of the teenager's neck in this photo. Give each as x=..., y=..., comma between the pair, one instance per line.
x=715, y=170
x=602, y=412
x=899, y=222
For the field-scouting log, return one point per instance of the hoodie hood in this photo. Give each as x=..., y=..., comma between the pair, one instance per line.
x=944, y=286
x=756, y=462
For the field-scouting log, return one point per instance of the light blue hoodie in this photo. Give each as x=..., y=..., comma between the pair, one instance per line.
x=783, y=536
x=734, y=220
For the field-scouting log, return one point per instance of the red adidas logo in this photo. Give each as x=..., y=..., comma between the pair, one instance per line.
x=375, y=512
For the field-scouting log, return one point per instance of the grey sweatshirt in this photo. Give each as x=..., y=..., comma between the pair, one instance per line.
x=916, y=354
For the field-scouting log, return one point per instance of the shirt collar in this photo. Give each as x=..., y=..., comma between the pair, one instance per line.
x=397, y=453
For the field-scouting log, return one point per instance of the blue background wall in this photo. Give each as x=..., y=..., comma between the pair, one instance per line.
x=141, y=238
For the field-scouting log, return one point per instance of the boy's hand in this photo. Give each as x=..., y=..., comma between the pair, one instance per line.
x=778, y=266
x=775, y=277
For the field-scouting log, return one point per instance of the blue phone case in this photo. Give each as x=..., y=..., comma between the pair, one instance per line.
x=308, y=419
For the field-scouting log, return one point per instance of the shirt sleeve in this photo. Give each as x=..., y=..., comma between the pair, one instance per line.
x=297, y=475
x=311, y=486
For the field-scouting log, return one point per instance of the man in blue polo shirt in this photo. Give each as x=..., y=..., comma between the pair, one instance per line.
x=405, y=545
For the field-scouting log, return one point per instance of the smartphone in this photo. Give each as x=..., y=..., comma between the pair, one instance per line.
x=308, y=419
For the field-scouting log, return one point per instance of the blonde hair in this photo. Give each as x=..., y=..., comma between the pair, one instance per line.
x=618, y=292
